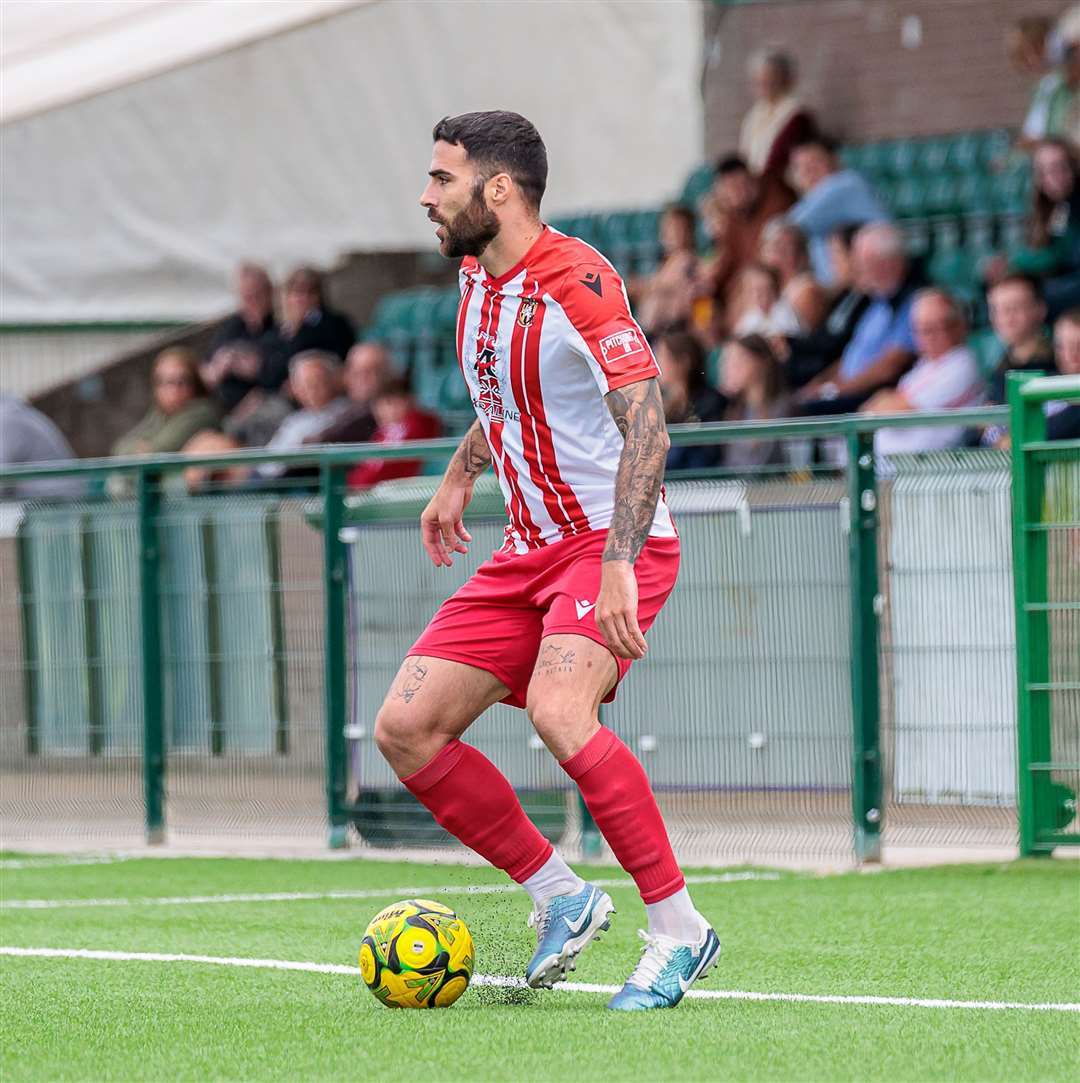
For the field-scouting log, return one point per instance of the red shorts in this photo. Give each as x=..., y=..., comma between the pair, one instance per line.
x=498, y=618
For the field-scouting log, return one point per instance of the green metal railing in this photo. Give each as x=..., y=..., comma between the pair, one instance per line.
x=1046, y=546
x=325, y=662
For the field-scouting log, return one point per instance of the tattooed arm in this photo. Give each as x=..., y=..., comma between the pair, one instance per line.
x=442, y=529
x=639, y=413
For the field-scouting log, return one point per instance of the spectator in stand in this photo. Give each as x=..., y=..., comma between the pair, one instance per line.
x=367, y=369
x=803, y=301
x=756, y=294
x=1063, y=419
x=315, y=381
x=181, y=407
x=1018, y=316
x=752, y=382
x=736, y=209
x=1053, y=252
x=1027, y=46
x=664, y=299
x=882, y=346
x=945, y=377
x=777, y=120
x=208, y=479
x=397, y=417
x=306, y=324
x=832, y=198
x=688, y=398
x=236, y=364
x=806, y=355
x=28, y=436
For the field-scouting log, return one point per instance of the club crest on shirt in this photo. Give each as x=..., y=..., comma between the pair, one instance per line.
x=527, y=311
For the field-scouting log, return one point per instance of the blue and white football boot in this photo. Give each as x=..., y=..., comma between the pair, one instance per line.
x=666, y=970
x=564, y=925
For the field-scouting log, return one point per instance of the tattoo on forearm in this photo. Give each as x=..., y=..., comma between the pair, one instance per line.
x=555, y=659
x=638, y=410
x=412, y=680
x=473, y=457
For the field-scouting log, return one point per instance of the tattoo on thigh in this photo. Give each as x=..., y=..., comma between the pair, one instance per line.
x=411, y=681
x=555, y=659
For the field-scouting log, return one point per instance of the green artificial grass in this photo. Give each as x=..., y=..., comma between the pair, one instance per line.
x=1002, y=932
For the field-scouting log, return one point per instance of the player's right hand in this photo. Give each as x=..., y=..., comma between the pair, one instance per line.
x=442, y=529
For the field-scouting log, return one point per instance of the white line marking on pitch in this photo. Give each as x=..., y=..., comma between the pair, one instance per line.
x=516, y=983
x=367, y=893
x=54, y=862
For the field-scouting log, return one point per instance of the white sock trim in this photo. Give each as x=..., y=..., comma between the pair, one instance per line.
x=553, y=878
x=676, y=917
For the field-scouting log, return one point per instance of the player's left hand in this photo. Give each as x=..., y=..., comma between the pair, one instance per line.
x=616, y=610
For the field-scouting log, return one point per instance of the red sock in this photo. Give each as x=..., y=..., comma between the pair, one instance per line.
x=617, y=793
x=469, y=796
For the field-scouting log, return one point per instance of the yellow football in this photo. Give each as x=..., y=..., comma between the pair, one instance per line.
x=417, y=954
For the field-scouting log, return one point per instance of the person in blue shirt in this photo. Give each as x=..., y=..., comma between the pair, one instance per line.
x=882, y=347
x=832, y=199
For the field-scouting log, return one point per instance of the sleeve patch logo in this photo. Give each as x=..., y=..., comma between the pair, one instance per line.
x=620, y=345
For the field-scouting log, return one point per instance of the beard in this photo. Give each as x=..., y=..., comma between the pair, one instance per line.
x=474, y=228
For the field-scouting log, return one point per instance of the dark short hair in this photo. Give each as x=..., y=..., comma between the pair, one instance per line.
x=501, y=142
x=846, y=234
x=395, y=387
x=681, y=210
x=1016, y=278
x=305, y=275
x=816, y=139
x=730, y=163
x=1070, y=315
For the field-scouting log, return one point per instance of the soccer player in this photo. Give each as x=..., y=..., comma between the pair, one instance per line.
x=569, y=415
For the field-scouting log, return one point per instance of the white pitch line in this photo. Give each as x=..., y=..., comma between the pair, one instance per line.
x=502, y=982
x=55, y=862
x=367, y=893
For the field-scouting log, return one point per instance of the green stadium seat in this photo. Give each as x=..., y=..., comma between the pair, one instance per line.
x=697, y=185
x=987, y=348
x=901, y=157
x=957, y=271
x=964, y=153
x=934, y=156
x=908, y=198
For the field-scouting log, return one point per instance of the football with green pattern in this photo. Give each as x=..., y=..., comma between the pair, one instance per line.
x=417, y=954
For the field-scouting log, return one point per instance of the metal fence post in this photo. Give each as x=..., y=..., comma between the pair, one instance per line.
x=335, y=665
x=866, y=793
x=1028, y=423
x=148, y=490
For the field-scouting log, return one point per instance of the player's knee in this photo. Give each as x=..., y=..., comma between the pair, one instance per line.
x=396, y=730
x=549, y=716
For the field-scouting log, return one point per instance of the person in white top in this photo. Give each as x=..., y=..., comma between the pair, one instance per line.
x=945, y=377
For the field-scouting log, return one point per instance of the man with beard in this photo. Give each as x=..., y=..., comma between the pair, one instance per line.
x=570, y=416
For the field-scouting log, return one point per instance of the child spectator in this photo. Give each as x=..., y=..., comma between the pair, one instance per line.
x=752, y=381
x=663, y=300
x=688, y=398
x=1063, y=419
x=397, y=418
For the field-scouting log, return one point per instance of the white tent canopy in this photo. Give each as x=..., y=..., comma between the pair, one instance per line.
x=148, y=146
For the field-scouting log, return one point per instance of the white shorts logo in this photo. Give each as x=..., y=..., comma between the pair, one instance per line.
x=621, y=344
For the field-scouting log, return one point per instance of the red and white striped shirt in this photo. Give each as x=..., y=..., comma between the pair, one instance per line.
x=539, y=347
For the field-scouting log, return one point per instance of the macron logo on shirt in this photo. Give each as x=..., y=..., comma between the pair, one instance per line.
x=620, y=345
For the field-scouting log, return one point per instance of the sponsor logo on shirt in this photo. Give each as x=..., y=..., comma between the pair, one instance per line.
x=489, y=399
x=621, y=344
